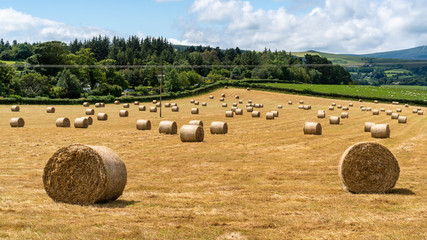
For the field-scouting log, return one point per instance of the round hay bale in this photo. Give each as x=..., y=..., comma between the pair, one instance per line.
x=117, y=102
x=102, y=117
x=143, y=125
x=250, y=101
x=269, y=116
x=81, y=174
x=375, y=101
x=420, y=112
x=50, y=110
x=168, y=127
x=344, y=115
x=142, y=108
x=414, y=110
x=345, y=108
x=331, y=108
x=368, y=167
x=249, y=109
x=406, y=105
x=333, y=104
x=261, y=105
x=234, y=104
x=360, y=100
x=380, y=131
x=339, y=106
x=135, y=103
x=223, y=95
x=240, y=101
x=279, y=106
x=191, y=133
x=102, y=104
x=307, y=107
x=98, y=105
x=81, y=123
x=126, y=105
x=368, y=126
x=238, y=111
x=321, y=114
x=175, y=109
x=394, y=115
x=219, y=128
x=402, y=119
x=300, y=107
x=312, y=128
x=194, y=111
x=389, y=112
x=419, y=108
x=361, y=106
x=167, y=105
x=368, y=109
x=15, y=109
x=301, y=101
x=350, y=105
x=224, y=105
x=225, y=87
x=221, y=99
x=196, y=122
x=363, y=109
x=395, y=103
x=63, y=122
x=275, y=113
x=17, y=122
x=382, y=109
x=154, y=101
x=248, y=89
x=90, y=111
x=196, y=102
x=229, y=114
x=174, y=104
x=256, y=114
x=233, y=109
x=89, y=120
x=124, y=113
x=257, y=105
x=158, y=104
x=204, y=104
x=211, y=97
x=375, y=112
x=399, y=110
x=153, y=109
x=289, y=102
x=237, y=96
x=334, y=120
x=86, y=104
x=249, y=105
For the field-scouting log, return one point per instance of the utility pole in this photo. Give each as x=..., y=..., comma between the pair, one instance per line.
x=160, y=78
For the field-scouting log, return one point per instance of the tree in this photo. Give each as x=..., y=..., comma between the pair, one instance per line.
x=6, y=75
x=34, y=84
x=70, y=83
x=49, y=53
x=172, y=83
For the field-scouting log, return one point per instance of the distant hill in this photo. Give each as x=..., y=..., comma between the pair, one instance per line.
x=418, y=53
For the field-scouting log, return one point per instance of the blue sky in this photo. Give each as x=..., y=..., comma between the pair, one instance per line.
x=338, y=26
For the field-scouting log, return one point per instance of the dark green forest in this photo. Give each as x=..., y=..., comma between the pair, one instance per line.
x=104, y=66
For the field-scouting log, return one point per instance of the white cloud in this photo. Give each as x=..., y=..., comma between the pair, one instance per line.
x=341, y=26
x=24, y=27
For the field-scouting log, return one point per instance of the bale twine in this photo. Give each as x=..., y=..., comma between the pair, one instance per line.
x=219, y=128
x=211, y=97
x=333, y=104
x=420, y=112
x=175, y=109
x=344, y=115
x=224, y=105
x=334, y=120
x=331, y=108
x=300, y=107
x=154, y=101
x=239, y=111
x=194, y=111
x=223, y=95
x=289, y=102
x=86, y=104
x=117, y=102
x=375, y=112
x=368, y=109
x=221, y=99
x=124, y=113
x=233, y=109
x=15, y=109
x=126, y=105
x=81, y=123
x=234, y=104
x=368, y=126
x=135, y=103
x=17, y=122
x=142, y=108
x=307, y=107
x=229, y=114
x=414, y=110
x=312, y=128
x=380, y=131
x=279, y=106
x=168, y=127
x=301, y=102
x=249, y=109
x=321, y=114
x=399, y=110
x=196, y=122
x=256, y=114
x=350, y=105
x=50, y=110
x=368, y=167
x=153, y=109
x=90, y=111
x=394, y=115
x=143, y=125
x=89, y=120
x=204, y=104
x=402, y=119
x=345, y=108
x=167, y=105
x=98, y=105
x=63, y=122
x=389, y=112
x=275, y=113
x=191, y=133
x=196, y=102
x=102, y=117
x=382, y=109
x=82, y=174
x=237, y=96
x=269, y=116
x=339, y=106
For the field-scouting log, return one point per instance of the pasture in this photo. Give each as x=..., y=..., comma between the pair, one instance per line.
x=265, y=179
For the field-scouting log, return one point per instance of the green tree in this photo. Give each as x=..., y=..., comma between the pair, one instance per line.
x=49, y=53
x=70, y=83
x=172, y=83
x=34, y=84
x=6, y=75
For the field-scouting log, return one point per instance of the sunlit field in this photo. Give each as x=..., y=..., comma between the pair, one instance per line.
x=265, y=179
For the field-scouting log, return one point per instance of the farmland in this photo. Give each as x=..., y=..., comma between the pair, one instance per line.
x=263, y=180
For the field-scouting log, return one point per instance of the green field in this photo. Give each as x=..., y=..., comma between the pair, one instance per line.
x=388, y=91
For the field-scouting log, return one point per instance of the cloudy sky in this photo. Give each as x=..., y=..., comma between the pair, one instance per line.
x=336, y=26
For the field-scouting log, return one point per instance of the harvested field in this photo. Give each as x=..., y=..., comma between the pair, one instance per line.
x=262, y=180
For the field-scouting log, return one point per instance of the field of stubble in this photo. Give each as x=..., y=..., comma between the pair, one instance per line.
x=263, y=180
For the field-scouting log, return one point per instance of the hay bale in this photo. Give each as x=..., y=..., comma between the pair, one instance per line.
x=17, y=122
x=126, y=105
x=363, y=109
x=90, y=111
x=237, y=96
x=334, y=104
x=219, y=128
x=196, y=122
x=15, y=109
x=82, y=174
x=344, y=115
x=256, y=114
x=361, y=106
x=175, y=109
x=221, y=99
x=234, y=104
x=98, y=105
x=382, y=109
x=102, y=117
x=248, y=89
x=117, y=102
x=50, y=110
x=143, y=125
x=389, y=112
x=261, y=105
x=196, y=102
x=380, y=131
x=301, y=101
x=406, y=105
x=204, y=104
x=174, y=104
x=192, y=100
x=168, y=127
x=223, y=95
x=368, y=109
x=275, y=113
x=312, y=128
x=269, y=116
x=419, y=108
x=402, y=119
x=249, y=105
x=289, y=102
x=257, y=105
x=279, y=106
x=238, y=111
x=300, y=107
x=368, y=167
x=124, y=113
x=153, y=109
x=394, y=115
x=307, y=107
x=331, y=108
x=225, y=87
x=229, y=114
x=250, y=101
x=339, y=106
x=86, y=104
x=158, y=104
x=321, y=114
x=191, y=133
x=154, y=101
x=194, y=111
x=420, y=112
x=142, y=108
x=414, y=110
x=63, y=122
x=395, y=103
x=135, y=103
x=89, y=120
x=81, y=123
x=399, y=110
x=167, y=105
x=375, y=112
x=240, y=101
x=368, y=126
x=211, y=97
x=224, y=105
x=345, y=108
x=102, y=104
x=233, y=109
x=249, y=109
x=360, y=100
x=350, y=105
x=334, y=120
x=375, y=101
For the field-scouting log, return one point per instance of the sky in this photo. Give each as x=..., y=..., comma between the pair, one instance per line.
x=334, y=26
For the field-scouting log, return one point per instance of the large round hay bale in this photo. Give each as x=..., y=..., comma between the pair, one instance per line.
x=406, y=105
x=196, y=102
x=229, y=114
x=174, y=104
x=63, y=122
x=300, y=107
x=334, y=120
x=250, y=101
x=124, y=113
x=350, y=105
x=102, y=117
x=307, y=107
x=380, y=131
x=126, y=105
x=339, y=106
x=90, y=111
x=154, y=101
x=394, y=115
x=331, y=108
x=221, y=99
x=86, y=104
x=196, y=122
x=249, y=105
x=234, y=104
x=175, y=109
x=81, y=123
x=81, y=174
x=168, y=127
x=50, y=110
x=223, y=95
x=289, y=102
x=117, y=102
x=225, y=87
x=368, y=167
x=142, y=108
x=312, y=128
x=345, y=108
x=361, y=106
x=261, y=105
x=360, y=100
x=399, y=110
x=219, y=128
x=414, y=110
x=333, y=104
x=301, y=101
x=249, y=109
x=237, y=96
x=98, y=105
x=135, y=103
x=419, y=108
x=279, y=106
x=240, y=101
x=102, y=104
x=224, y=105
x=363, y=109
x=143, y=125
x=382, y=109
x=211, y=97
x=375, y=112
x=233, y=109
x=167, y=105
x=395, y=103
x=194, y=111
x=15, y=109
x=191, y=133
x=89, y=120
x=344, y=115
x=420, y=112
x=321, y=114
x=204, y=104
x=402, y=119
x=248, y=89
x=158, y=104
x=17, y=122
x=368, y=126
x=153, y=109
x=238, y=111
x=275, y=113
x=256, y=114
x=375, y=101
x=269, y=116
x=256, y=105
x=389, y=112
x=368, y=109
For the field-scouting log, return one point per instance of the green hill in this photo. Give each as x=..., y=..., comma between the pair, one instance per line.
x=418, y=53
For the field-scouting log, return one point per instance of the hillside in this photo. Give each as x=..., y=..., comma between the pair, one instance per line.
x=418, y=53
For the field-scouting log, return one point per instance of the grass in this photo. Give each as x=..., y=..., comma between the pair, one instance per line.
x=11, y=62
x=263, y=180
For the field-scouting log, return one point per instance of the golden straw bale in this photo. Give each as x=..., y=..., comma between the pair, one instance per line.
x=50, y=110
x=191, y=133
x=117, y=102
x=394, y=115
x=345, y=108
x=238, y=111
x=402, y=119
x=135, y=103
x=81, y=123
x=167, y=105
x=414, y=110
x=89, y=120
x=153, y=109
x=194, y=111
x=233, y=109
x=279, y=106
x=256, y=114
x=368, y=126
x=15, y=109
x=196, y=122
x=17, y=122
x=204, y=104
x=86, y=104
x=158, y=104
x=289, y=102
x=380, y=131
x=300, y=107
x=229, y=114
x=399, y=110
x=389, y=112
x=382, y=109
x=168, y=127
x=331, y=108
x=334, y=120
x=269, y=116
x=301, y=102
x=63, y=122
x=420, y=112
x=175, y=109
x=90, y=111
x=321, y=114
x=211, y=97
x=221, y=99
x=98, y=105
x=249, y=109
x=333, y=104
x=102, y=117
x=154, y=101
x=142, y=108
x=275, y=113
x=126, y=105
x=196, y=102
x=124, y=113
x=312, y=128
x=224, y=105
x=344, y=115
x=219, y=128
x=143, y=125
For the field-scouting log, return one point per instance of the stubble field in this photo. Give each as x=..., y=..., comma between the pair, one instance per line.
x=263, y=180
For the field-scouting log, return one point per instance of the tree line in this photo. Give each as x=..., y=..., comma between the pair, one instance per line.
x=105, y=66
